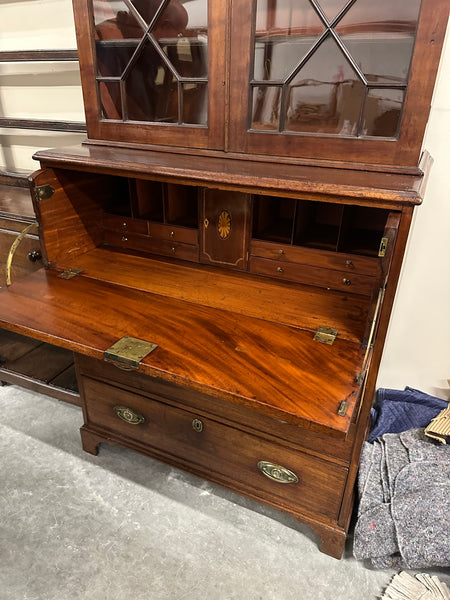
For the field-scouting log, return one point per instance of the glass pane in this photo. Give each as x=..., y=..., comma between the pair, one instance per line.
x=285, y=31
x=266, y=108
x=380, y=37
x=331, y=8
x=151, y=83
x=113, y=56
x=382, y=112
x=195, y=103
x=326, y=95
x=114, y=21
x=110, y=103
x=188, y=57
x=151, y=89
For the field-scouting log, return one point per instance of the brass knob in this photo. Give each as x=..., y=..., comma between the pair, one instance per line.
x=346, y=281
x=349, y=264
x=34, y=256
x=124, y=238
x=281, y=252
x=128, y=415
x=279, y=269
x=172, y=234
x=173, y=249
x=197, y=425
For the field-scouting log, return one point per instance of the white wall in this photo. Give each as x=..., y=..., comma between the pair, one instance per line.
x=417, y=351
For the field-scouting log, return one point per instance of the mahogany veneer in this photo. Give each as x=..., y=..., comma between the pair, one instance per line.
x=248, y=220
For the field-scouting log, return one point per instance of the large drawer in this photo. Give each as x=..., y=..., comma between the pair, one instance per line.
x=214, y=450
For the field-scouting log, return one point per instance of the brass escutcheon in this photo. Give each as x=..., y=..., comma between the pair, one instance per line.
x=197, y=425
x=128, y=415
x=277, y=472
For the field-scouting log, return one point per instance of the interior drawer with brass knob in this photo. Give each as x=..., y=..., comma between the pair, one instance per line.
x=145, y=243
x=259, y=468
x=311, y=275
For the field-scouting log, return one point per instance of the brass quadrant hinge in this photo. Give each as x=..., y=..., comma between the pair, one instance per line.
x=70, y=273
x=383, y=247
x=42, y=192
x=128, y=352
x=325, y=335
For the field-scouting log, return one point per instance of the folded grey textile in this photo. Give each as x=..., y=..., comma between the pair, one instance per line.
x=404, y=489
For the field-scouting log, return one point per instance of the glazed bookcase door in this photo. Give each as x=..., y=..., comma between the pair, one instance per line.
x=334, y=79
x=152, y=70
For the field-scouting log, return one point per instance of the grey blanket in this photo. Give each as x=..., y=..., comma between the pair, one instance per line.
x=404, y=511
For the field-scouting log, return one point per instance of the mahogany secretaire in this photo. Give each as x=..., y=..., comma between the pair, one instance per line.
x=222, y=253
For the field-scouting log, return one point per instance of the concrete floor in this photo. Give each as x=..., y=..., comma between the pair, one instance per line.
x=121, y=526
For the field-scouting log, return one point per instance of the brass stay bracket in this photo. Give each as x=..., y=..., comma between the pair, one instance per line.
x=14, y=246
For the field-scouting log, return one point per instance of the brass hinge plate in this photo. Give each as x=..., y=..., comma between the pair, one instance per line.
x=325, y=335
x=383, y=247
x=128, y=352
x=42, y=192
x=343, y=408
x=70, y=273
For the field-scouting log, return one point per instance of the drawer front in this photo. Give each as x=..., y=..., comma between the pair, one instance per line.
x=351, y=263
x=218, y=409
x=125, y=224
x=217, y=451
x=328, y=278
x=152, y=245
x=173, y=233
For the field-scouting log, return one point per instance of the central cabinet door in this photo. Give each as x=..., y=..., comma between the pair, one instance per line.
x=225, y=230
x=154, y=70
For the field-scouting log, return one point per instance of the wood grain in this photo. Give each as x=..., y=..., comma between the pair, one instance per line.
x=277, y=370
x=346, y=185
x=217, y=450
x=283, y=302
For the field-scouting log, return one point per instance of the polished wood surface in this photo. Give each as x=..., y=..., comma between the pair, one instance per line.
x=235, y=336
x=365, y=188
x=283, y=302
x=322, y=444
x=218, y=452
x=71, y=219
x=272, y=368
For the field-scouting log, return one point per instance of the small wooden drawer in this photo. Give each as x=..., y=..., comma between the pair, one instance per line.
x=125, y=224
x=184, y=235
x=239, y=460
x=351, y=263
x=311, y=275
x=154, y=246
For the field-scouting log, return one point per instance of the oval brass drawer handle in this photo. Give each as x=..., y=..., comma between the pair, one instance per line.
x=128, y=415
x=276, y=472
